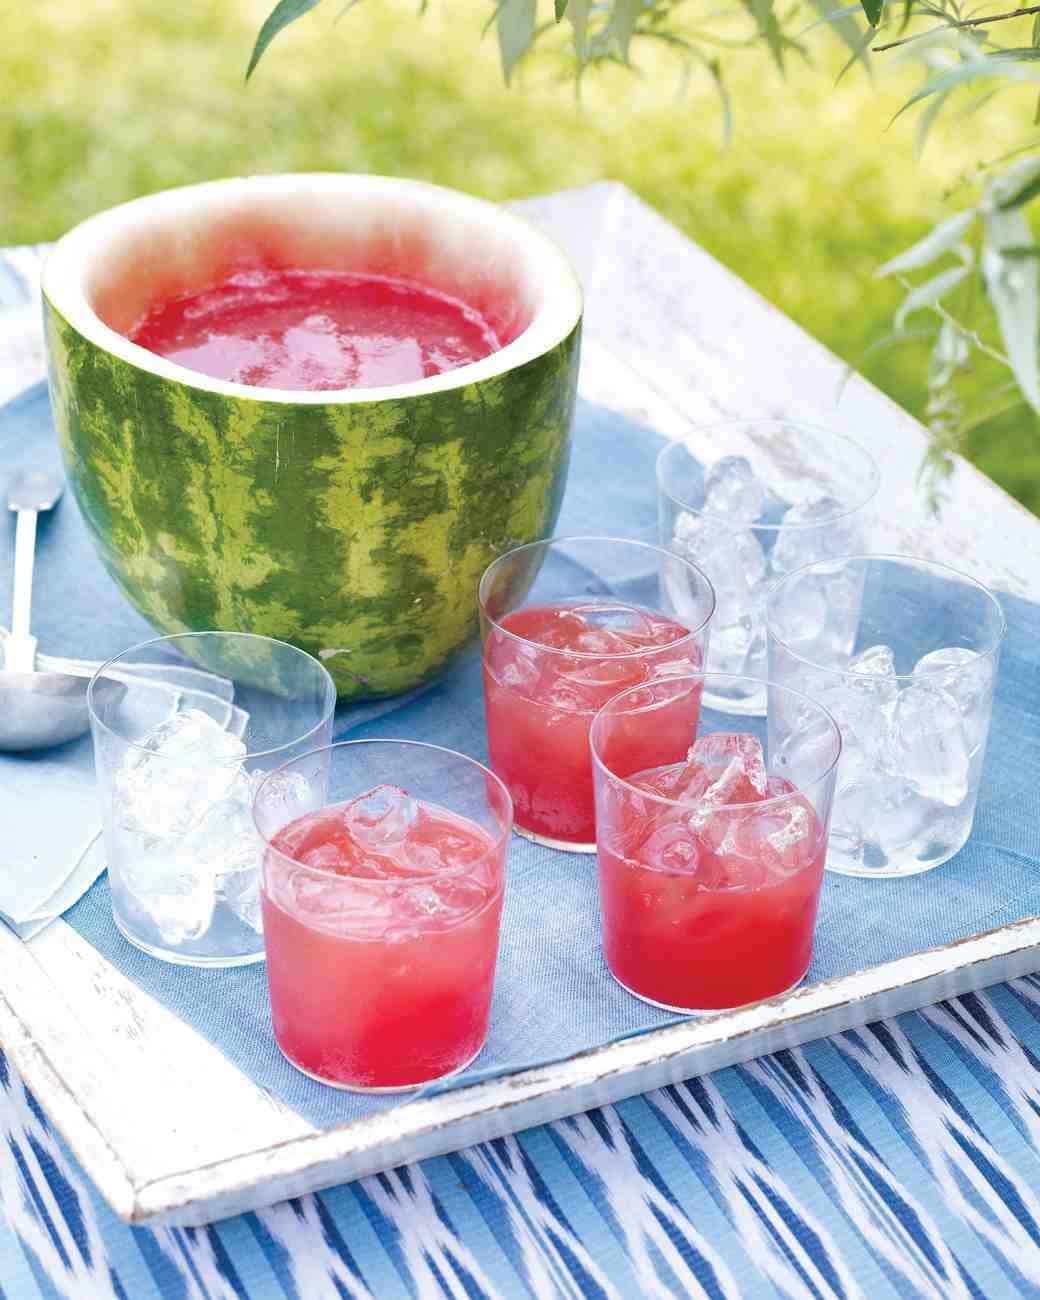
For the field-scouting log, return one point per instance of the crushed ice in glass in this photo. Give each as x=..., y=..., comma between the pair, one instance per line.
x=187, y=800
x=819, y=529
x=927, y=735
x=911, y=752
x=180, y=767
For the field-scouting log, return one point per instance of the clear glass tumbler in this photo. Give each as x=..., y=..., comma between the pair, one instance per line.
x=711, y=841
x=184, y=729
x=566, y=624
x=908, y=670
x=383, y=882
x=780, y=495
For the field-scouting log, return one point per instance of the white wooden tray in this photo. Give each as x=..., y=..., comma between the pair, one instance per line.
x=168, y=1129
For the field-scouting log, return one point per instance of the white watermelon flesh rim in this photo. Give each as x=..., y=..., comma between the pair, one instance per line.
x=545, y=278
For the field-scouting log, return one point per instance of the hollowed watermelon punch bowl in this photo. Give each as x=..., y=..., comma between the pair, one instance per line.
x=354, y=523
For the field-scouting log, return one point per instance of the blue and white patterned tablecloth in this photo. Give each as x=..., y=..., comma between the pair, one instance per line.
x=900, y=1160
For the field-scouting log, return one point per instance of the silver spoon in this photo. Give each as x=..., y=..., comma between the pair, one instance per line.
x=37, y=710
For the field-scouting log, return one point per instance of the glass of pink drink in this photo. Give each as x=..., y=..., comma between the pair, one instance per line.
x=711, y=845
x=566, y=624
x=382, y=889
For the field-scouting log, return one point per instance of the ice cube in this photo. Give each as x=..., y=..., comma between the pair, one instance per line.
x=859, y=708
x=731, y=490
x=671, y=847
x=875, y=661
x=180, y=768
x=803, y=612
x=901, y=817
x=733, y=785
x=435, y=905
x=631, y=624
x=287, y=795
x=731, y=556
x=815, y=530
x=730, y=647
x=167, y=887
x=967, y=677
x=518, y=665
x=806, y=751
x=599, y=675
x=723, y=747
x=872, y=688
x=346, y=905
x=381, y=818
x=851, y=814
x=780, y=837
x=929, y=744
x=225, y=845
x=240, y=890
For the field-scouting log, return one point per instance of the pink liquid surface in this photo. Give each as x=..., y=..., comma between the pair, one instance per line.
x=540, y=705
x=716, y=909
x=317, y=330
x=382, y=941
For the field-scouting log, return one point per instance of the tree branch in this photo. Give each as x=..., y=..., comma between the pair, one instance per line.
x=964, y=22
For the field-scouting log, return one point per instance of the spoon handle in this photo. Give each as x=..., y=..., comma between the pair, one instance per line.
x=20, y=647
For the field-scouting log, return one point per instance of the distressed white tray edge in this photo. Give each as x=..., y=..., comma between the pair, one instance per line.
x=432, y=1126
x=597, y=1077
x=65, y=1111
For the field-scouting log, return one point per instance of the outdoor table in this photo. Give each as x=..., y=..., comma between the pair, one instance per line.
x=897, y=1159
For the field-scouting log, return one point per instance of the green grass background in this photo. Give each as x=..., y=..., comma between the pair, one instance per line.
x=112, y=98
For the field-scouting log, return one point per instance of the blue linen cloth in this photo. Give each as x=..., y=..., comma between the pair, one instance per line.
x=554, y=996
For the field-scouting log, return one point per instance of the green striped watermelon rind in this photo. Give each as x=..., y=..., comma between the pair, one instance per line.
x=355, y=530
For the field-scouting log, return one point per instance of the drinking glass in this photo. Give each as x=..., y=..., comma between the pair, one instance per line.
x=786, y=494
x=566, y=624
x=711, y=841
x=383, y=881
x=904, y=653
x=195, y=724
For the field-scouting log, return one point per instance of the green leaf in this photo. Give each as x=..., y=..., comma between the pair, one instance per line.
x=971, y=70
x=768, y=28
x=873, y=9
x=1015, y=186
x=284, y=13
x=515, y=22
x=831, y=16
x=1003, y=399
x=622, y=24
x=1015, y=251
x=1013, y=285
x=578, y=14
x=560, y=7
x=846, y=27
x=714, y=70
x=859, y=52
x=927, y=120
x=942, y=239
x=930, y=293
x=1023, y=195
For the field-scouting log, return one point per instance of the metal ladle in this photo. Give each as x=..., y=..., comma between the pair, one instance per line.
x=37, y=710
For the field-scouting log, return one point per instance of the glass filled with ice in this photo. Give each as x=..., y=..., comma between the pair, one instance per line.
x=774, y=494
x=711, y=841
x=383, y=882
x=566, y=624
x=180, y=748
x=908, y=671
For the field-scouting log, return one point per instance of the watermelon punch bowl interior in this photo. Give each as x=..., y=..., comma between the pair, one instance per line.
x=354, y=522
